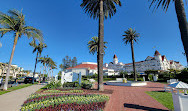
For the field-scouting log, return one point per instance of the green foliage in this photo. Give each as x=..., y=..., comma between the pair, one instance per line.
x=124, y=74
x=71, y=84
x=150, y=77
x=183, y=76
x=63, y=99
x=93, y=45
x=53, y=85
x=10, y=77
x=86, y=84
x=59, y=75
x=151, y=71
x=92, y=8
x=59, y=91
x=164, y=98
x=68, y=62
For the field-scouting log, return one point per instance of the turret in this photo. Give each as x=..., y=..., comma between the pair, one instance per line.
x=157, y=56
x=115, y=61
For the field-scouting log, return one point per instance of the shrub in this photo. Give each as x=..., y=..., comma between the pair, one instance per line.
x=86, y=84
x=54, y=85
x=71, y=84
x=150, y=77
x=183, y=76
x=59, y=91
x=140, y=79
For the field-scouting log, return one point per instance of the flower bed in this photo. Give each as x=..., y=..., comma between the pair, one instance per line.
x=59, y=91
x=54, y=102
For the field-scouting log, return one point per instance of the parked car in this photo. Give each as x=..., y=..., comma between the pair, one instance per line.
x=29, y=80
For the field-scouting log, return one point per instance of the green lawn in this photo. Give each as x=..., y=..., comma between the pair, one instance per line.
x=14, y=88
x=165, y=98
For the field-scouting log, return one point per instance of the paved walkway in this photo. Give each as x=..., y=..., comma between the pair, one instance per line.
x=12, y=101
x=134, y=98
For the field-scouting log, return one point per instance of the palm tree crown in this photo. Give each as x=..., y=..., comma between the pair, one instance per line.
x=92, y=7
x=130, y=35
x=39, y=47
x=15, y=22
x=93, y=45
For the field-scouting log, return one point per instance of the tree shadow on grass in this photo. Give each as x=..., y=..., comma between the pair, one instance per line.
x=135, y=106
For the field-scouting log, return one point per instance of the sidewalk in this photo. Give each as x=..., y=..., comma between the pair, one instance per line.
x=12, y=101
x=134, y=98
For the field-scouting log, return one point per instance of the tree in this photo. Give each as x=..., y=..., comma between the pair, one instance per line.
x=52, y=65
x=100, y=9
x=129, y=37
x=61, y=67
x=39, y=49
x=68, y=62
x=181, y=16
x=74, y=62
x=15, y=23
x=44, y=62
x=93, y=45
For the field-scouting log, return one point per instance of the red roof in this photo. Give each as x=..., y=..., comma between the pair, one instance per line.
x=90, y=66
x=115, y=56
x=157, y=53
x=163, y=57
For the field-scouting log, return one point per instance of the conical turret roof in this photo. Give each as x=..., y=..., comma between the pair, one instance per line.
x=115, y=56
x=157, y=53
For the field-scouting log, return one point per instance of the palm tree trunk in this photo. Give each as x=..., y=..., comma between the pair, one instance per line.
x=48, y=72
x=51, y=73
x=35, y=68
x=101, y=48
x=134, y=68
x=183, y=25
x=10, y=62
x=43, y=71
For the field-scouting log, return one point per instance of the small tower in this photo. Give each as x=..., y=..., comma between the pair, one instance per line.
x=157, y=56
x=115, y=61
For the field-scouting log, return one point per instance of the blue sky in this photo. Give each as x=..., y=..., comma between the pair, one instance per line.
x=67, y=29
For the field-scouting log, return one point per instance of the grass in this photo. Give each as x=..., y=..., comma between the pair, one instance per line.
x=165, y=98
x=14, y=88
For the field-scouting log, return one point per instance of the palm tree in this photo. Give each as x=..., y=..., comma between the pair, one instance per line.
x=39, y=49
x=61, y=67
x=93, y=45
x=129, y=37
x=100, y=9
x=52, y=65
x=15, y=23
x=44, y=61
x=181, y=16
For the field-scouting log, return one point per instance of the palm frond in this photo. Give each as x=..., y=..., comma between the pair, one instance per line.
x=130, y=35
x=163, y=3
x=92, y=7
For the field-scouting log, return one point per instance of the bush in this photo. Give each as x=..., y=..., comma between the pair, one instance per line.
x=183, y=76
x=140, y=79
x=54, y=85
x=150, y=77
x=71, y=84
x=86, y=85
